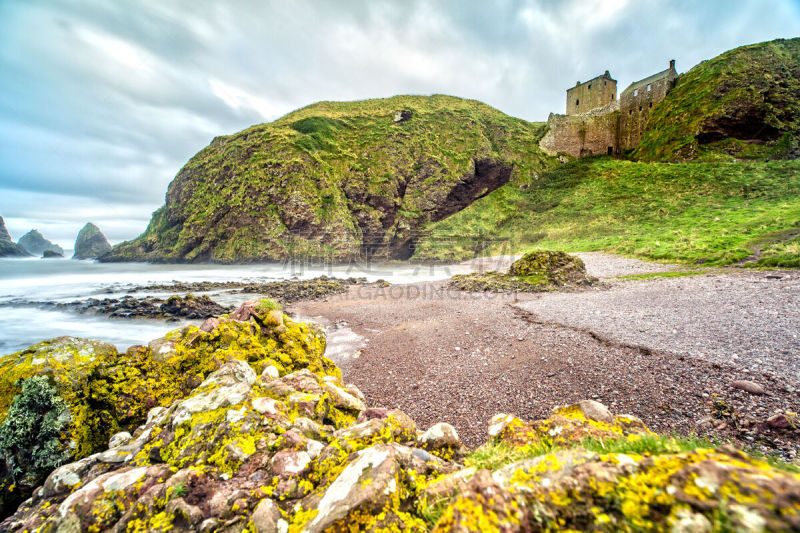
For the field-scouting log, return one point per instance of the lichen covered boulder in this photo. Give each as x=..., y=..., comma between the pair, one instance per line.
x=537, y=271
x=107, y=392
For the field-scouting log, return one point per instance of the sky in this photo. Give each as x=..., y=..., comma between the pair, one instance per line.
x=102, y=102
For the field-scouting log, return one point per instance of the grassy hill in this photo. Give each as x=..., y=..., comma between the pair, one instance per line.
x=712, y=212
x=338, y=180
x=734, y=121
x=744, y=103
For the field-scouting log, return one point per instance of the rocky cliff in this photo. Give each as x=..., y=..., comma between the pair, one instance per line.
x=252, y=429
x=9, y=248
x=91, y=243
x=745, y=102
x=35, y=244
x=338, y=180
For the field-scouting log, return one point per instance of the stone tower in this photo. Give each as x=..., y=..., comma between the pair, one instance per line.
x=597, y=92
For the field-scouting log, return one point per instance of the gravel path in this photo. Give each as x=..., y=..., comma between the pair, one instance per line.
x=602, y=265
x=750, y=320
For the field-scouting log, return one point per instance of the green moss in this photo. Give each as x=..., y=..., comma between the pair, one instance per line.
x=748, y=95
x=710, y=212
x=333, y=180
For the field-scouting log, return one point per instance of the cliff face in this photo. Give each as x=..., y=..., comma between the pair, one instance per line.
x=91, y=243
x=745, y=102
x=35, y=244
x=9, y=248
x=337, y=180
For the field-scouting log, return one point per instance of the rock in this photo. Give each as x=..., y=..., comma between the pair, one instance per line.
x=9, y=248
x=210, y=325
x=537, y=271
x=289, y=463
x=118, y=439
x=362, y=491
x=781, y=421
x=91, y=243
x=35, y=244
x=748, y=386
x=439, y=436
x=595, y=411
x=266, y=517
x=51, y=254
x=244, y=312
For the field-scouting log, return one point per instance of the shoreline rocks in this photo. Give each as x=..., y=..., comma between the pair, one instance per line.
x=9, y=248
x=250, y=427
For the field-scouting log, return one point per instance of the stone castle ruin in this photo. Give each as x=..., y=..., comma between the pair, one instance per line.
x=597, y=122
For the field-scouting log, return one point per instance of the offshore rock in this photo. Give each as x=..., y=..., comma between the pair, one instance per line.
x=9, y=248
x=91, y=243
x=35, y=244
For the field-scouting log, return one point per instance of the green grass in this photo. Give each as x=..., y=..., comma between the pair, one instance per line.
x=709, y=212
x=265, y=305
x=493, y=455
x=748, y=96
x=660, y=275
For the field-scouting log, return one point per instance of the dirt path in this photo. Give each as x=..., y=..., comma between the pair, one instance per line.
x=463, y=357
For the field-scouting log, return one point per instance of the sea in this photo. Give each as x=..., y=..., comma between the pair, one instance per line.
x=26, y=283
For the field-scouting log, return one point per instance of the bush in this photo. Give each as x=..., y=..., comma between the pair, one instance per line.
x=29, y=436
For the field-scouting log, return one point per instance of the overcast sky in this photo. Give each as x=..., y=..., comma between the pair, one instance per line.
x=102, y=101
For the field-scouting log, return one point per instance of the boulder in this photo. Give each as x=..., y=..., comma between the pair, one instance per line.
x=51, y=254
x=35, y=244
x=91, y=243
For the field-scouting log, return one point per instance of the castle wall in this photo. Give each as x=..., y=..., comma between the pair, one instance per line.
x=637, y=101
x=586, y=134
x=597, y=92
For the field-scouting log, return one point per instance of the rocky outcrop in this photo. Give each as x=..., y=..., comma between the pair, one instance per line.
x=537, y=271
x=106, y=392
x=9, y=248
x=338, y=180
x=745, y=103
x=272, y=439
x=51, y=254
x=35, y=244
x=91, y=243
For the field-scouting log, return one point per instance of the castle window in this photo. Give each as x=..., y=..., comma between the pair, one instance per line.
x=576, y=102
x=636, y=92
x=648, y=87
x=630, y=111
x=651, y=104
x=612, y=96
x=590, y=86
x=640, y=108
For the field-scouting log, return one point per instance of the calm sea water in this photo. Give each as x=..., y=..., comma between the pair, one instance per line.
x=66, y=280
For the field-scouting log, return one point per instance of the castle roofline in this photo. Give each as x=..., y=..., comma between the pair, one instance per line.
x=649, y=79
x=605, y=76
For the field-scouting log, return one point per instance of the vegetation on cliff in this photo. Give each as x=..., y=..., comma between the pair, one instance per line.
x=711, y=212
x=275, y=441
x=338, y=180
x=744, y=103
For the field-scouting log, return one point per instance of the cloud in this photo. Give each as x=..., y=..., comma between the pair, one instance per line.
x=101, y=102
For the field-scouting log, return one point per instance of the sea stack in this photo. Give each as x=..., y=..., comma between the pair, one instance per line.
x=35, y=244
x=9, y=248
x=91, y=243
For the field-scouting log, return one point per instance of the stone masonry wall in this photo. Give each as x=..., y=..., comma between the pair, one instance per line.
x=586, y=134
x=637, y=101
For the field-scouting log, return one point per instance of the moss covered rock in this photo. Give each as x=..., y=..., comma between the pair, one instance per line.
x=281, y=443
x=337, y=180
x=537, y=271
x=91, y=243
x=107, y=392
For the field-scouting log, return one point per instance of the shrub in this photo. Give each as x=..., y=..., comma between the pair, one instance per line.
x=29, y=436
